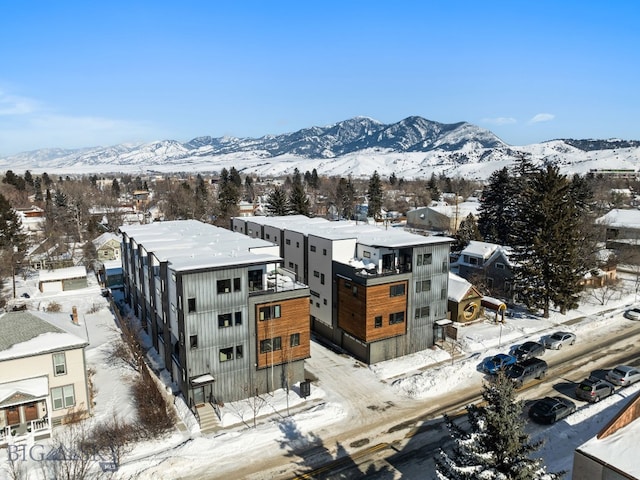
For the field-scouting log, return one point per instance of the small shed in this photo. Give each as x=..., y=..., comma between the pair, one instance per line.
x=464, y=300
x=62, y=279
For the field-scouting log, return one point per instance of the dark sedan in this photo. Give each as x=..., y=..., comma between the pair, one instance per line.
x=551, y=409
x=529, y=350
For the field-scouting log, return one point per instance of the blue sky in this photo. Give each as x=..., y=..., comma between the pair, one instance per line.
x=76, y=74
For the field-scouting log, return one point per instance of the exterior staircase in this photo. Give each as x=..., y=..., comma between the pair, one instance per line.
x=209, y=421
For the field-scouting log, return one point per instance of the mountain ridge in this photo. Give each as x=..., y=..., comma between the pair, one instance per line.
x=412, y=147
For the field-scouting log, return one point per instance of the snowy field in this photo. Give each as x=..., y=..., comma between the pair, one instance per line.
x=344, y=391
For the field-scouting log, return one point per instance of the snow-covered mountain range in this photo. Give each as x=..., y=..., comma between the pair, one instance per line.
x=411, y=148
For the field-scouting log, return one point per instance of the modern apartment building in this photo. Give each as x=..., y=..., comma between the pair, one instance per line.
x=225, y=318
x=375, y=292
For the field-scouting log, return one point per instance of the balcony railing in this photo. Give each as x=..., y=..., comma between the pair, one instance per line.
x=17, y=433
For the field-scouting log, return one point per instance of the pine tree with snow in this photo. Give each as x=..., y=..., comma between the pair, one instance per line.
x=374, y=196
x=498, y=207
x=298, y=201
x=548, y=251
x=495, y=445
x=277, y=202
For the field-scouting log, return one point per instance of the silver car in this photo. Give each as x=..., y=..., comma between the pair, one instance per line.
x=632, y=314
x=558, y=339
x=623, y=375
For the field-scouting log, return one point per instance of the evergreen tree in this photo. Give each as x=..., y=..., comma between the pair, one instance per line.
x=228, y=193
x=115, y=188
x=548, y=254
x=496, y=446
x=298, y=201
x=37, y=186
x=467, y=231
x=433, y=189
x=202, y=197
x=498, y=207
x=10, y=228
x=46, y=180
x=28, y=178
x=392, y=179
x=315, y=180
x=249, y=190
x=374, y=196
x=277, y=202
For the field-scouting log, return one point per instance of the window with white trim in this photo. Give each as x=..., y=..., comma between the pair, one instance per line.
x=63, y=397
x=59, y=364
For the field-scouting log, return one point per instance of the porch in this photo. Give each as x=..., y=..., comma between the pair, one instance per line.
x=24, y=410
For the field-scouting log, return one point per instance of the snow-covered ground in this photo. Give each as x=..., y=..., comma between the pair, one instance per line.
x=344, y=392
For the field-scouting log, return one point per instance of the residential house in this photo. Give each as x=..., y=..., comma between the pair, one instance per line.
x=107, y=246
x=62, y=279
x=223, y=316
x=375, y=292
x=441, y=217
x=622, y=228
x=43, y=376
x=613, y=452
x=487, y=265
x=32, y=220
x=465, y=301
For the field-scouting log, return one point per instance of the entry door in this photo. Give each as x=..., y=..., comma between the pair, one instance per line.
x=13, y=416
x=31, y=411
x=198, y=395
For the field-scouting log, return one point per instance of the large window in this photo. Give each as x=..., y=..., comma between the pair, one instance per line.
x=59, y=364
x=396, y=290
x=63, y=397
x=226, y=354
x=270, y=344
x=224, y=286
x=193, y=341
x=224, y=320
x=191, y=304
x=236, y=284
x=423, y=286
x=294, y=340
x=424, y=259
x=238, y=318
x=395, y=318
x=267, y=313
x=378, y=322
x=422, y=312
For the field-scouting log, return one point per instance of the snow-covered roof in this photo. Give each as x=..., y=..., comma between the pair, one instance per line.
x=621, y=218
x=620, y=449
x=480, y=249
x=363, y=233
x=191, y=245
x=33, y=387
x=26, y=333
x=460, y=211
x=63, y=274
x=104, y=238
x=458, y=287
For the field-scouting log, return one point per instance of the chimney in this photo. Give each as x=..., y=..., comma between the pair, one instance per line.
x=74, y=315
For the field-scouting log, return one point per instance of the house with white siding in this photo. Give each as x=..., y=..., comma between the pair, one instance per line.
x=43, y=375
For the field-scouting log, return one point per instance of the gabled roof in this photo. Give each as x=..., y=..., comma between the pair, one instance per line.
x=104, y=238
x=485, y=250
x=459, y=287
x=62, y=274
x=26, y=334
x=23, y=390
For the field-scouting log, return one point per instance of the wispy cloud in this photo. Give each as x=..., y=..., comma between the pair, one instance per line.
x=15, y=105
x=500, y=120
x=542, y=117
x=26, y=124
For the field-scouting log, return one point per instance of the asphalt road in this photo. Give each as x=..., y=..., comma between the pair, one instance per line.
x=425, y=433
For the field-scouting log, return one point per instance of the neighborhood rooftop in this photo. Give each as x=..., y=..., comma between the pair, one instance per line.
x=189, y=244
x=364, y=233
x=26, y=333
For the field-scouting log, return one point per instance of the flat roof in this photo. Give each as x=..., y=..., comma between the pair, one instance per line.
x=363, y=233
x=191, y=245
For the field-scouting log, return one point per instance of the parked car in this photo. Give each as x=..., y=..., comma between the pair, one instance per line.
x=26, y=295
x=497, y=362
x=522, y=372
x=632, y=314
x=551, y=409
x=594, y=389
x=558, y=339
x=528, y=350
x=623, y=375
